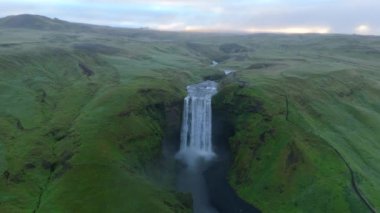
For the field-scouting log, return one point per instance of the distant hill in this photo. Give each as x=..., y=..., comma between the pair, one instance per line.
x=38, y=22
x=43, y=23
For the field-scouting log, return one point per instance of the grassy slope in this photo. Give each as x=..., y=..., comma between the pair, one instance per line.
x=296, y=162
x=72, y=142
x=83, y=143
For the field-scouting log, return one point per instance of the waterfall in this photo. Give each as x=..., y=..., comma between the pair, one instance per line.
x=196, y=123
x=205, y=179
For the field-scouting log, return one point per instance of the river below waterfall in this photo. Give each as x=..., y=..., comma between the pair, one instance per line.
x=204, y=155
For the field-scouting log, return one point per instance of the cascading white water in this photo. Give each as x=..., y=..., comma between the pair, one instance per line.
x=196, y=124
x=196, y=144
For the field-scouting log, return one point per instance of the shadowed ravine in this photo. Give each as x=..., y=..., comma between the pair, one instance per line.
x=205, y=165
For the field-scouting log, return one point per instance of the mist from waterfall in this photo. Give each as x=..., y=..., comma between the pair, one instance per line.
x=196, y=131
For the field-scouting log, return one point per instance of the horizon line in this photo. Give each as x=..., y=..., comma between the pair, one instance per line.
x=252, y=31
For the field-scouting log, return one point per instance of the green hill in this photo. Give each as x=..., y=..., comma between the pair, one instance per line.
x=38, y=22
x=83, y=114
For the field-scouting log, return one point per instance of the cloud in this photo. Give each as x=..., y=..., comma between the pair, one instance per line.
x=362, y=29
x=321, y=30
x=292, y=16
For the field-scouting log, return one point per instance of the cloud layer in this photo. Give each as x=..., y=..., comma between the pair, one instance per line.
x=291, y=16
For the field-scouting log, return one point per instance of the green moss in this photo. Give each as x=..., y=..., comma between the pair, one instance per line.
x=73, y=142
x=280, y=165
x=70, y=141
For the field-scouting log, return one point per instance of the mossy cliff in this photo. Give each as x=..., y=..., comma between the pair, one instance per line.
x=279, y=163
x=78, y=136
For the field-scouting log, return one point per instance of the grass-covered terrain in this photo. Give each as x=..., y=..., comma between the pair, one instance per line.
x=306, y=116
x=84, y=110
x=82, y=117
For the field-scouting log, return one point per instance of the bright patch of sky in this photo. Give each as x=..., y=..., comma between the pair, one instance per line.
x=291, y=16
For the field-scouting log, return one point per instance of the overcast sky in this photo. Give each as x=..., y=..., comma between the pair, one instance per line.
x=287, y=16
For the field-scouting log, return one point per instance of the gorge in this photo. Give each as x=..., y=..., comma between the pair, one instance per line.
x=205, y=164
x=196, y=143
